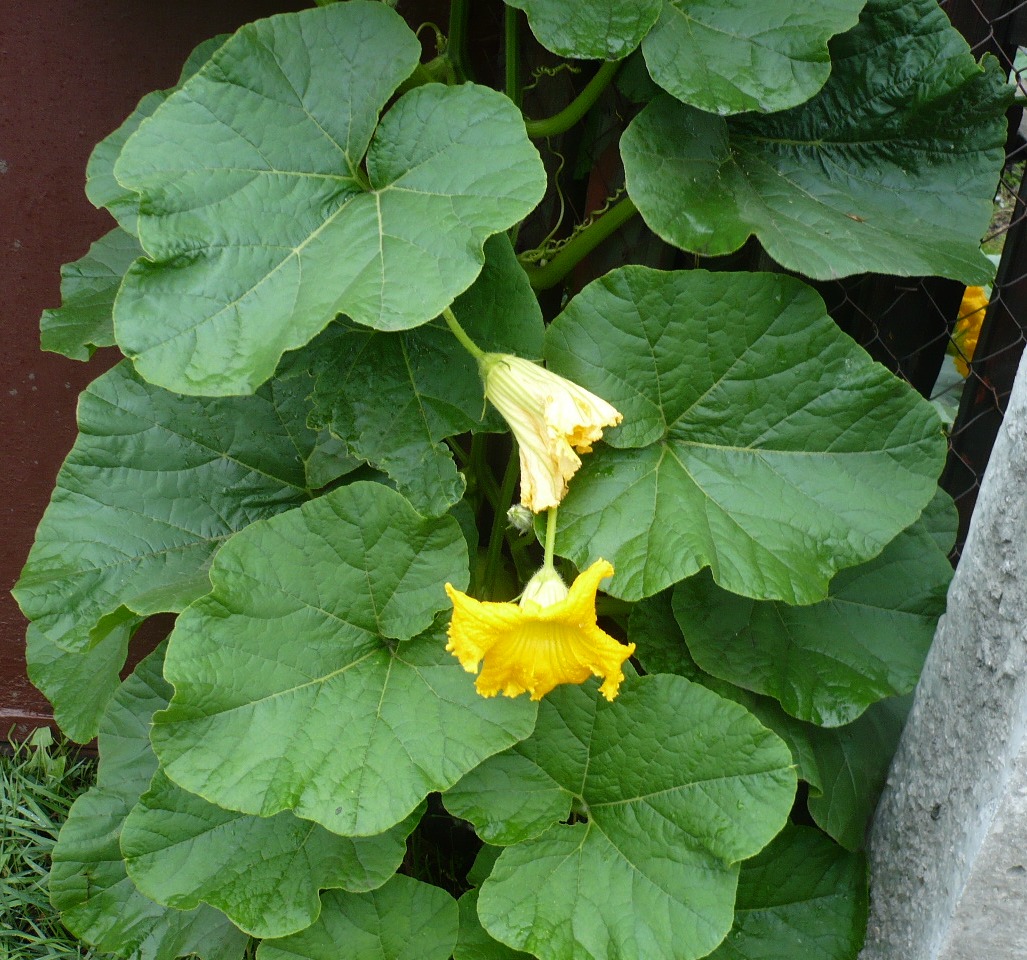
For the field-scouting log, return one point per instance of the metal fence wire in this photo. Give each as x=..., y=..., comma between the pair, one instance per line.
x=965, y=366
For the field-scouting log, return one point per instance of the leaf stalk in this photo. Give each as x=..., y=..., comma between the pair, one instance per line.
x=497, y=536
x=577, y=108
x=512, y=51
x=457, y=49
x=580, y=246
x=461, y=335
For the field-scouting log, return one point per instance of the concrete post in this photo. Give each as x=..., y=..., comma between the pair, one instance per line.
x=948, y=849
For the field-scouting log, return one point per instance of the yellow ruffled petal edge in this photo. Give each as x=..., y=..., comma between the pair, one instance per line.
x=533, y=649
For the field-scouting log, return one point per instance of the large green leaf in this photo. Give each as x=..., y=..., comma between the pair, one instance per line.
x=264, y=873
x=670, y=786
x=262, y=220
x=99, y=904
x=853, y=762
x=102, y=189
x=153, y=486
x=828, y=662
x=590, y=29
x=404, y=920
x=758, y=440
x=84, y=320
x=78, y=685
x=728, y=56
x=890, y=168
x=802, y=896
x=483, y=864
x=342, y=723
x=394, y=397
x=473, y=942
x=660, y=648
x=88, y=882
x=845, y=767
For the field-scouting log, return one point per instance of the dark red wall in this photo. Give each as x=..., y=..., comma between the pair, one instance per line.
x=70, y=72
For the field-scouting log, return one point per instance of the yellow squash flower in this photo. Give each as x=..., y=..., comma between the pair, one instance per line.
x=551, y=418
x=548, y=638
x=968, y=327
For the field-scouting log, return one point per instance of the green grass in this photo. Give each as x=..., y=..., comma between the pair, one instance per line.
x=39, y=781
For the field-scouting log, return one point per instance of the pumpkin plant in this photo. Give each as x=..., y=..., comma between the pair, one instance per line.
x=372, y=435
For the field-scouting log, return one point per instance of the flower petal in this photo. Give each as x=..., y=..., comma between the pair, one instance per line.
x=477, y=626
x=534, y=648
x=551, y=418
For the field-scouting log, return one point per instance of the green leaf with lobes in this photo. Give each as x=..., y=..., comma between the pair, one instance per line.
x=473, y=942
x=102, y=188
x=827, y=662
x=845, y=767
x=404, y=920
x=758, y=440
x=853, y=762
x=153, y=486
x=650, y=867
x=890, y=168
x=263, y=872
x=88, y=882
x=263, y=219
x=662, y=649
x=351, y=708
x=395, y=396
x=802, y=896
x=85, y=318
x=78, y=685
x=729, y=56
x=590, y=29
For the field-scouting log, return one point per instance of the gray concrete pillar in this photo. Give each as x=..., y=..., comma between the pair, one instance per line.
x=948, y=848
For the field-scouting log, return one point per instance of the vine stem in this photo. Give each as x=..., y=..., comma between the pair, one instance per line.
x=547, y=560
x=497, y=536
x=577, y=108
x=479, y=468
x=458, y=11
x=580, y=245
x=461, y=334
x=512, y=50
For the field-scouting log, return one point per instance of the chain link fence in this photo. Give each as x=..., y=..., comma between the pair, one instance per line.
x=960, y=347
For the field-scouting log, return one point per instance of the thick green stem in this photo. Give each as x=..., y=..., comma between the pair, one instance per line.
x=484, y=482
x=439, y=70
x=459, y=452
x=547, y=560
x=457, y=50
x=497, y=537
x=581, y=245
x=512, y=51
x=461, y=334
x=577, y=108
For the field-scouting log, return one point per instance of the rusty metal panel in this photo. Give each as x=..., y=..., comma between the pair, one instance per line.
x=70, y=72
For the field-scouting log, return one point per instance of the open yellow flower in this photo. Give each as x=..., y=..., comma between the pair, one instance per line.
x=551, y=418
x=550, y=637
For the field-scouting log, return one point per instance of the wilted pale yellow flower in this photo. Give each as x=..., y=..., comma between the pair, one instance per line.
x=550, y=637
x=551, y=418
x=968, y=327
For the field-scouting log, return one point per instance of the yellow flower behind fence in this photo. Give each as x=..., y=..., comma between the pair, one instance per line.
x=968, y=328
x=548, y=638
